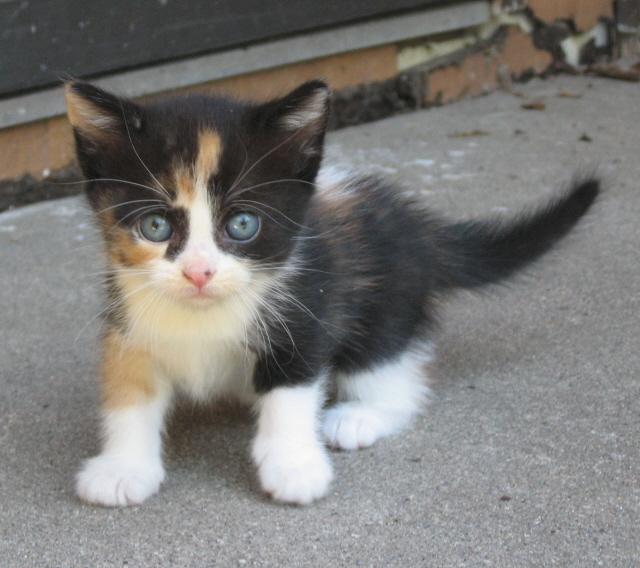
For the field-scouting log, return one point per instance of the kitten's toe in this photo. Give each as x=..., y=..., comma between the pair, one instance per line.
x=114, y=482
x=350, y=425
x=297, y=477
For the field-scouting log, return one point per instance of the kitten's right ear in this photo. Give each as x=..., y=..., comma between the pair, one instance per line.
x=103, y=124
x=99, y=116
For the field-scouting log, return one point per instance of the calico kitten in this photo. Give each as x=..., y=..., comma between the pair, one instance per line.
x=238, y=268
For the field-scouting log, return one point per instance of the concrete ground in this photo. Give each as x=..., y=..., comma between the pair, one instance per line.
x=528, y=455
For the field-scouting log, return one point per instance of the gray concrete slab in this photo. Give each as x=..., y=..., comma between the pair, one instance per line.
x=528, y=456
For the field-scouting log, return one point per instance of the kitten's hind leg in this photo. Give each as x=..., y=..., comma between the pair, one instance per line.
x=377, y=402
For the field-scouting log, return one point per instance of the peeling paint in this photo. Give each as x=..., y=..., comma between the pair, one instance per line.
x=418, y=55
x=561, y=43
x=414, y=55
x=572, y=46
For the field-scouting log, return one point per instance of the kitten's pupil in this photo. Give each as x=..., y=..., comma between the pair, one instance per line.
x=243, y=226
x=155, y=228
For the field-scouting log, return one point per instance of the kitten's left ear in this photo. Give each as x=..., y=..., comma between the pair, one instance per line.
x=301, y=116
x=307, y=107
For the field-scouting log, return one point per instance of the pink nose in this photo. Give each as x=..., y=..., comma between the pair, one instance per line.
x=198, y=276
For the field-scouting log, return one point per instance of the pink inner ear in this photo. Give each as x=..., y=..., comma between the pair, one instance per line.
x=309, y=113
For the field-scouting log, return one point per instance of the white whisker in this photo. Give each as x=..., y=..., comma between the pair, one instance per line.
x=263, y=157
x=110, y=307
x=117, y=180
x=234, y=194
x=128, y=203
x=126, y=125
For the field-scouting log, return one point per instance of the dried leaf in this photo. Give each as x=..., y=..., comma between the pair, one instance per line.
x=616, y=72
x=534, y=105
x=562, y=93
x=468, y=134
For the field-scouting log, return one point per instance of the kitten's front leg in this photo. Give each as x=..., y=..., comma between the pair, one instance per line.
x=293, y=466
x=129, y=469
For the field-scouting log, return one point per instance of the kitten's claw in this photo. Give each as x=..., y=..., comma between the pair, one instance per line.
x=350, y=426
x=114, y=482
x=296, y=477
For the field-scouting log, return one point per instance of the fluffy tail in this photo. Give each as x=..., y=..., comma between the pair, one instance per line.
x=476, y=253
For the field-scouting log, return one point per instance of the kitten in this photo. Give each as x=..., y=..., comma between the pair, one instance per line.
x=237, y=268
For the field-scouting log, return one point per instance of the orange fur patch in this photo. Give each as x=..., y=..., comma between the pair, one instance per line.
x=185, y=189
x=207, y=162
x=192, y=179
x=129, y=253
x=127, y=377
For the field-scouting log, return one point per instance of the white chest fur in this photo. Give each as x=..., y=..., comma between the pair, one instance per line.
x=203, y=350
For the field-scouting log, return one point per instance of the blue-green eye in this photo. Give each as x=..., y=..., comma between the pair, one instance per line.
x=243, y=226
x=155, y=228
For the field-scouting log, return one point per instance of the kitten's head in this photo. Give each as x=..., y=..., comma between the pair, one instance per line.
x=195, y=195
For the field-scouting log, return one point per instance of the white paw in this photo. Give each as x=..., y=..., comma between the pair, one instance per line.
x=350, y=426
x=293, y=475
x=115, y=482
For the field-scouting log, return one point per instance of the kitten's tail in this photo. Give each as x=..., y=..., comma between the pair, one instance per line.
x=475, y=253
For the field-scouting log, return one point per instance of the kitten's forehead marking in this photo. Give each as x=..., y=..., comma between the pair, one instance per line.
x=193, y=195
x=193, y=180
x=209, y=148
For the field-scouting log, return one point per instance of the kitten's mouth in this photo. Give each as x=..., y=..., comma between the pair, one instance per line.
x=199, y=296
